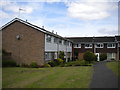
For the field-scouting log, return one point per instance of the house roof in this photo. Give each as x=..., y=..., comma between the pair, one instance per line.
x=103, y=39
x=81, y=39
x=33, y=26
x=118, y=38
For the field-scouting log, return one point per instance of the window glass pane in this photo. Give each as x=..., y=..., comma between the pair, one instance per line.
x=99, y=45
x=48, y=38
x=111, y=45
x=60, y=41
x=55, y=40
x=88, y=45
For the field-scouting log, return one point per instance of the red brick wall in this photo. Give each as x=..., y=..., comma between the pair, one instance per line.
x=29, y=48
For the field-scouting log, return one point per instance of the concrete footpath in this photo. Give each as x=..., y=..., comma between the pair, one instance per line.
x=103, y=77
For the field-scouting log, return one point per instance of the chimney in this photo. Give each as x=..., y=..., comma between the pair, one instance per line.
x=52, y=31
x=43, y=27
x=56, y=33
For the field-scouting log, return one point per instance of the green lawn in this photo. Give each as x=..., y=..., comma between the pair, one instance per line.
x=115, y=67
x=56, y=77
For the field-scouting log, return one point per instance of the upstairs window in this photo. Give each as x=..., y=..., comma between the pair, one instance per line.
x=88, y=45
x=65, y=42
x=48, y=38
x=55, y=40
x=99, y=45
x=111, y=45
x=77, y=46
x=60, y=41
x=70, y=44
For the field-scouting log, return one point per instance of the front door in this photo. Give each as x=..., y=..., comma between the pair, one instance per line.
x=98, y=56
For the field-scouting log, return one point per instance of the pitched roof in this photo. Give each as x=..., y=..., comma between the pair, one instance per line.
x=81, y=39
x=92, y=39
x=118, y=38
x=30, y=25
x=104, y=39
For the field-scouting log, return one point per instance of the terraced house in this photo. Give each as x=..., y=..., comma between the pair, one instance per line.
x=109, y=45
x=26, y=43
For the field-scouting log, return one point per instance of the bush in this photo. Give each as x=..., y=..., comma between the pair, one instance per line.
x=61, y=55
x=59, y=61
x=24, y=65
x=96, y=57
x=81, y=63
x=69, y=64
x=56, y=62
x=52, y=63
x=33, y=65
x=77, y=63
x=112, y=59
x=8, y=63
x=89, y=56
x=103, y=56
x=47, y=65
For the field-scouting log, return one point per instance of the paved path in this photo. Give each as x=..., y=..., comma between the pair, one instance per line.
x=103, y=77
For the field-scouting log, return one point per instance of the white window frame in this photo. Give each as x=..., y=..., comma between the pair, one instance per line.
x=90, y=45
x=77, y=46
x=101, y=45
x=113, y=46
x=70, y=44
x=48, y=38
x=60, y=41
x=112, y=55
x=55, y=40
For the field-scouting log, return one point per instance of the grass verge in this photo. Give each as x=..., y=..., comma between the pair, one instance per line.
x=115, y=67
x=56, y=77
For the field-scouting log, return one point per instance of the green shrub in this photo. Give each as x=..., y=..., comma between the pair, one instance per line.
x=77, y=63
x=103, y=56
x=62, y=65
x=112, y=59
x=52, y=63
x=83, y=63
x=33, y=64
x=89, y=56
x=61, y=55
x=80, y=63
x=8, y=63
x=69, y=64
x=47, y=65
x=96, y=57
x=59, y=61
x=24, y=65
x=56, y=62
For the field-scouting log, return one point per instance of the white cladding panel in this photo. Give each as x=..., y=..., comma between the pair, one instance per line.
x=54, y=47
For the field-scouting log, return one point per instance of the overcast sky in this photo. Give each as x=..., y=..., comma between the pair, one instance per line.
x=69, y=18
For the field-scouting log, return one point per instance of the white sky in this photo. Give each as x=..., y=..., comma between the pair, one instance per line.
x=69, y=18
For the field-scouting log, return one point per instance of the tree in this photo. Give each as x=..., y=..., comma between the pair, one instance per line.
x=103, y=56
x=89, y=56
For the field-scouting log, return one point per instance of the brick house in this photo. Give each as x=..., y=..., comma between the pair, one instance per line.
x=109, y=45
x=27, y=42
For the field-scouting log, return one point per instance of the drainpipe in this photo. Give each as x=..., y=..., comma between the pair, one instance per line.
x=117, y=48
x=118, y=51
x=57, y=49
x=94, y=50
x=66, y=52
